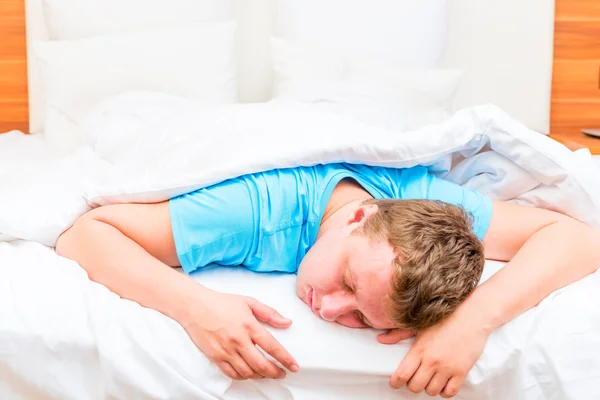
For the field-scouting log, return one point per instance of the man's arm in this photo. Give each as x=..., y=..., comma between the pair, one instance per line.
x=546, y=251
x=129, y=248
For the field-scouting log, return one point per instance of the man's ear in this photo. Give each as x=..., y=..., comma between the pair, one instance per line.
x=362, y=213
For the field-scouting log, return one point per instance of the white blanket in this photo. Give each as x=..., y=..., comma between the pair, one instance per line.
x=145, y=147
x=64, y=336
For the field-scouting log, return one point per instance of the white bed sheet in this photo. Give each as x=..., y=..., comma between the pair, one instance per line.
x=63, y=336
x=66, y=337
x=596, y=159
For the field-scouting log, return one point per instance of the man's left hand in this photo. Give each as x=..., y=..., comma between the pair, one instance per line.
x=440, y=357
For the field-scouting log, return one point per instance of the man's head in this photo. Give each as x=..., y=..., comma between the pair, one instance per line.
x=392, y=263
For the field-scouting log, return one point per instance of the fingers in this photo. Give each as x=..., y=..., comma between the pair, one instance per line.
x=246, y=362
x=240, y=359
x=436, y=384
x=452, y=387
x=259, y=363
x=395, y=335
x=244, y=370
x=233, y=348
x=265, y=340
x=405, y=370
x=272, y=347
x=420, y=379
x=228, y=370
x=267, y=314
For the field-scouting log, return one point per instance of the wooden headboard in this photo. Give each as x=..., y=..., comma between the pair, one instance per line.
x=13, y=67
x=576, y=67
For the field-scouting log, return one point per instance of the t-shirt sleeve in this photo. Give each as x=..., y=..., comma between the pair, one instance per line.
x=477, y=205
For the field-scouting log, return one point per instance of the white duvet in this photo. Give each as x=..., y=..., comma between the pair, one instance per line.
x=63, y=336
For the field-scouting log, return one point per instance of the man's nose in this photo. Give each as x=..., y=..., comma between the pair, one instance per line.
x=334, y=305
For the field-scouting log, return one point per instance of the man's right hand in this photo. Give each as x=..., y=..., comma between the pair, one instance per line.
x=227, y=331
x=225, y=327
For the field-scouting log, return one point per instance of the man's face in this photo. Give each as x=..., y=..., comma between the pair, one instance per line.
x=345, y=278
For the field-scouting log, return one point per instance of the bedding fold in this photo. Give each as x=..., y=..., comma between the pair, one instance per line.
x=135, y=154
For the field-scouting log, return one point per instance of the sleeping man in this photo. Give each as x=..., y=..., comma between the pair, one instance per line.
x=392, y=249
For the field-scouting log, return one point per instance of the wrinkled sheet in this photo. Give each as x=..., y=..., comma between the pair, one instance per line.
x=64, y=336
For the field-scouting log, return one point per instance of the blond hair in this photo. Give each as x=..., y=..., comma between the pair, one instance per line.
x=439, y=262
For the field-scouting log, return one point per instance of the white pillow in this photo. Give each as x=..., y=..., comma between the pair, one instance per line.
x=375, y=61
x=375, y=91
x=404, y=32
x=195, y=62
x=75, y=19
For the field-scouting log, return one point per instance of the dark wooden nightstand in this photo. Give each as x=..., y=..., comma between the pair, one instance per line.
x=578, y=140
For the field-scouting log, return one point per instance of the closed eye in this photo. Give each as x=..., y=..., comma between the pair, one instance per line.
x=362, y=319
x=346, y=280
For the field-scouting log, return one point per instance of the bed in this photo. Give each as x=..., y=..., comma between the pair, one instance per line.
x=64, y=336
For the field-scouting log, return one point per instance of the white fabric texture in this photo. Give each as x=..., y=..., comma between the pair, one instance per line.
x=67, y=337
x=509, y=65
x=405, y=32
x=363, y=59
x=56, y=324
x=149, y=147
x=76, y=19
x=376, y=91
x=196, y=62
x=66, y=20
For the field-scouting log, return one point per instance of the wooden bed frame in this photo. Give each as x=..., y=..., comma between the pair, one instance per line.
x=575, y=85
x=13, y=67
x=576, y=73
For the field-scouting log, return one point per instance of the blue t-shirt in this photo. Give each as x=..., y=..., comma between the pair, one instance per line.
x=268, y=221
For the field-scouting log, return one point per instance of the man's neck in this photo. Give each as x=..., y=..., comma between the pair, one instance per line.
x=347, y=195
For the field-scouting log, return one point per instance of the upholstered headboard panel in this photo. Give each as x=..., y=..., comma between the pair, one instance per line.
x=506, y=56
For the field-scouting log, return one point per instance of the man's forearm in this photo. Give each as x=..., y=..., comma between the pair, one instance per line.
x=550, y=259
x=116, y=261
